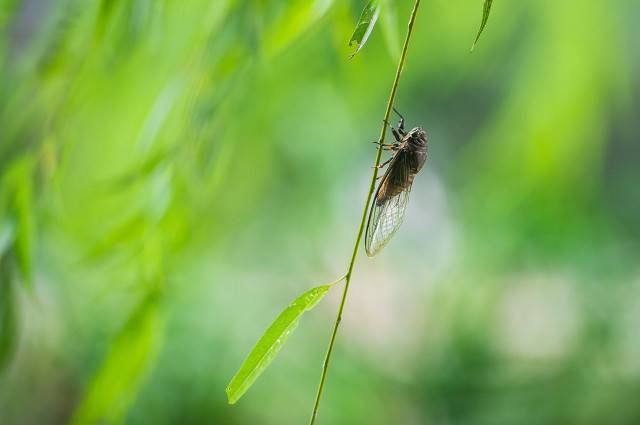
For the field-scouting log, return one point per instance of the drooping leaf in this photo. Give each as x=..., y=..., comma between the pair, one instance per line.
x=271, y=342
x=120, y=236
x=7, y=235
x=119, y=378
x=25, y=232
x=365, y=25
x=141, y=170
x=19, y=182
x=8, y=316
x=389, y=22
x=485, y=17
x=298, y=17
x=157, y=116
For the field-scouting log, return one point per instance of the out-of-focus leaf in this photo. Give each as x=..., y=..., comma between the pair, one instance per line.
x=365, y=25
x=389, y=22
x=25, y=234
x=19, y=181
x=122, y=372
x=159, y=193
x=141, y=170
x=8, y=318
x=299, y=16
x=7, y=235
x=162, y=106
x=485, y=17
x=121, y=235
x=105, y=15
x=271, y=342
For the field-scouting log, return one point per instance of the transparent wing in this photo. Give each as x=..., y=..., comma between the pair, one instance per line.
x=384, y=219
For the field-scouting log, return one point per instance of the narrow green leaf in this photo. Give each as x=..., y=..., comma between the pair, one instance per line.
x=121, y=374
x=25, y=232
x=271, y=341
x=297, y=19
x=120, y=236
x=365, y=25
x=7, y=235
x=389, y=22
x=485, y=18
x=20, y=207
x=8, y=314
x=157, y=117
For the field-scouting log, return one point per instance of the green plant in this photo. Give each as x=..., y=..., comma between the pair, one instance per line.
x=274, y=337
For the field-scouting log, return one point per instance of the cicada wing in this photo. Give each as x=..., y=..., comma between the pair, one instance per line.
x=384, y=219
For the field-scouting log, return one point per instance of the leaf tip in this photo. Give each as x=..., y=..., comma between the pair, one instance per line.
x=230, y=398
x=483, y=23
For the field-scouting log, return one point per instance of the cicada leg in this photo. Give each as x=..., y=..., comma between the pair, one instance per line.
x=400, y=123
x=388, y=146
x=384, y=163
x=396, y=134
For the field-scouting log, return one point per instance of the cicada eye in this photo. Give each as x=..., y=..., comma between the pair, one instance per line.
x=421, y=134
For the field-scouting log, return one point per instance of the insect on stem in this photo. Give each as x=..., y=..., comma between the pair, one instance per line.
x=383, y=132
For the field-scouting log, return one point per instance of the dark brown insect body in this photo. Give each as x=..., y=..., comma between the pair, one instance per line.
x=391, y=198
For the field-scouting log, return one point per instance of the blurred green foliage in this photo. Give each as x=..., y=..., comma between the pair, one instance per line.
x=173, y=173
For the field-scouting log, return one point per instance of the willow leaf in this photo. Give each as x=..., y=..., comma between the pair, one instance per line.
x=122, y=372
x=271, y=342
x=8, y=314
x=25, y=229
x=365, y=25
x=7, y=235
x=389, y=22
x=294, y=22
x=485, y=17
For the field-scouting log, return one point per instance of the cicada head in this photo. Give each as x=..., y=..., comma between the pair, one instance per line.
x=417, y=138
x=419, y=134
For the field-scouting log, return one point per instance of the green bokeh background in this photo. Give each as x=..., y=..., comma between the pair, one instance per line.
x=173, y=173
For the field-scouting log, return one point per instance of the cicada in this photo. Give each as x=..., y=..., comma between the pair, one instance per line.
x=391, y=199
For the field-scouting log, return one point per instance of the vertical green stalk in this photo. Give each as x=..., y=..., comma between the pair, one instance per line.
x=374, y=175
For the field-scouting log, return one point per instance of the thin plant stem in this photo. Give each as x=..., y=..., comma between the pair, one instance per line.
x=374, y=175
